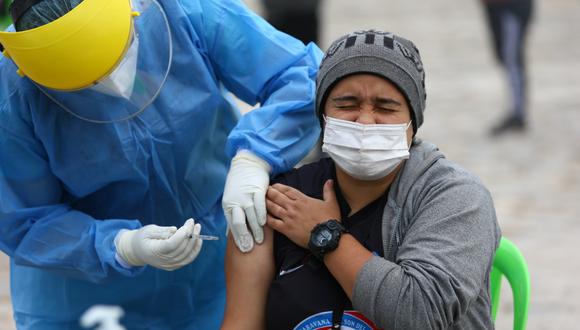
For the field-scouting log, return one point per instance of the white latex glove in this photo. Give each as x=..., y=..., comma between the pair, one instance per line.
x=245, y=198
x=166, y=248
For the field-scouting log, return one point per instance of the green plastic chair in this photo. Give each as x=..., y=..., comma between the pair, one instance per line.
x=510, y=262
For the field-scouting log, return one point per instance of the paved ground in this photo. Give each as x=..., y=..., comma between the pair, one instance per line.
x=534, y=177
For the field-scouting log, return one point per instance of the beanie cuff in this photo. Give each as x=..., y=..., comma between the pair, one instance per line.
x=357, y=64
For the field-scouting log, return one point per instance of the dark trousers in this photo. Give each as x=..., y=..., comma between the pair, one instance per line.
x=302, y=25
x=3, y=8
x=298, y=18
x=508, y=23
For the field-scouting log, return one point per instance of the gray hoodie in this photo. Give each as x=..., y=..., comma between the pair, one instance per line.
x=440, y=234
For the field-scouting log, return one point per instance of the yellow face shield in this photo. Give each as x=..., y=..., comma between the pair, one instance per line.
x=76, y=50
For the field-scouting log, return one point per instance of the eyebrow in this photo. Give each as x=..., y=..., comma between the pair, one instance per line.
x=381, y=100
x=348, y=98
x=387, y=101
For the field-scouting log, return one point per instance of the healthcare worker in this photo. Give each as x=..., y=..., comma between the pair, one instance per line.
x=115, y=127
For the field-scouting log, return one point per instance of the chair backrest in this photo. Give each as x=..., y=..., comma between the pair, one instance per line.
x=510, y=262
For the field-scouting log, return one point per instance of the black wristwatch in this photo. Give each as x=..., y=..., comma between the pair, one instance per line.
x=324, y=237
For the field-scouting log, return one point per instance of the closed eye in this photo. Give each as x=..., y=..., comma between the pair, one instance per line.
x=346, y=106
x=382, y=109
x=346, y=102
x=387, y=103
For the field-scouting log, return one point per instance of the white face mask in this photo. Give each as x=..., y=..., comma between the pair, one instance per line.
x=365, y=152
x=121, y=81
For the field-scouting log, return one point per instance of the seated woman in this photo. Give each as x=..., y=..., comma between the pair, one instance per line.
x=386, y=233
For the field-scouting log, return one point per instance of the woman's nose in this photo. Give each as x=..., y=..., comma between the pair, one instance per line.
x=366, y=116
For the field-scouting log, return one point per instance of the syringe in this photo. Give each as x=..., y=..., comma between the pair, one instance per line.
x=206, y=237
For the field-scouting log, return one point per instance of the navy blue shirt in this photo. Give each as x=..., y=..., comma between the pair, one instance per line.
x=304, y=294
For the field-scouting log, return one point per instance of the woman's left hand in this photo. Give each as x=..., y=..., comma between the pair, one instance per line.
x=294, y=214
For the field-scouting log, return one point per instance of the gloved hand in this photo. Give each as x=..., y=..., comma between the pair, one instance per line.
x=166, y=248
x=245, y=198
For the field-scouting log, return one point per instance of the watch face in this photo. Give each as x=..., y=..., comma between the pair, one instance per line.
x=323, y=237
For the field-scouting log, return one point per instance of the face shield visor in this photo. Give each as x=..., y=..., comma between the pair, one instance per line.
x=103, y=61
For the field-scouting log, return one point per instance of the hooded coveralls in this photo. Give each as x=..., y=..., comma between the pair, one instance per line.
x=68, y=186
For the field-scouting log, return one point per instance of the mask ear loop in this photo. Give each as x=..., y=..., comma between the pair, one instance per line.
x=412, y=137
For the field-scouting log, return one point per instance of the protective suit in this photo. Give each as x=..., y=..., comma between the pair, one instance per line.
x=68, y=185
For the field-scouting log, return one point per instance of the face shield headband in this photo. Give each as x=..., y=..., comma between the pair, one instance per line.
x=139, y=63
x=136, y=81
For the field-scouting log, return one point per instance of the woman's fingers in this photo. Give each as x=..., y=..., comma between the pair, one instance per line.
x=275, y=209
x=289, y=192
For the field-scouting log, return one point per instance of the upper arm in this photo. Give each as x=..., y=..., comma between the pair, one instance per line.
x=260, y=64
x=455, y=230
x=442, y=263
x=248, y=53
x=248, y=278
x=446, y=255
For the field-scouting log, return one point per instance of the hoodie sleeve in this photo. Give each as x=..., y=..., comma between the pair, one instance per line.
x=442, y=263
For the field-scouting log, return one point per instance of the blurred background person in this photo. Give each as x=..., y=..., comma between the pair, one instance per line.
x=4, y=17
x=508, y=22
x=299, y=18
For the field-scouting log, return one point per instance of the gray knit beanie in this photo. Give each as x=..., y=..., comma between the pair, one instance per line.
x=385, y=54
